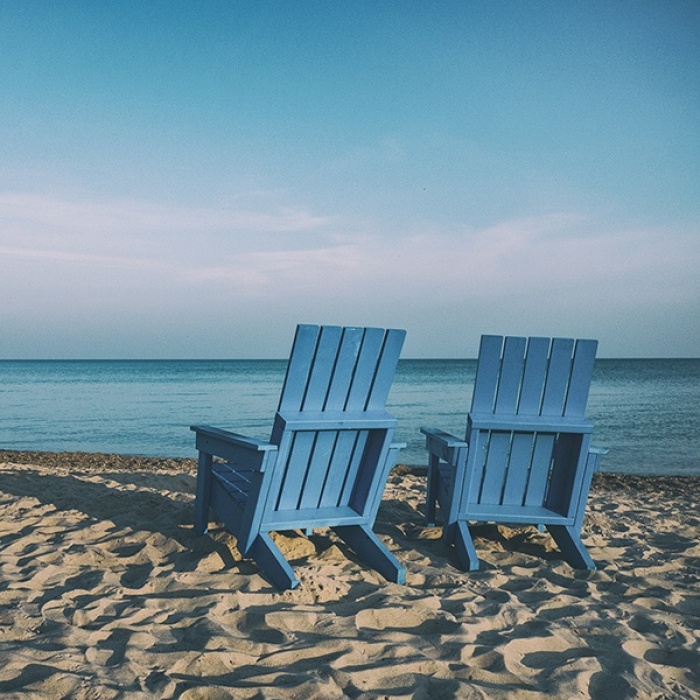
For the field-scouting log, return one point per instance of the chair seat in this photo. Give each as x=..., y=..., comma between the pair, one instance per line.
x=236, y=482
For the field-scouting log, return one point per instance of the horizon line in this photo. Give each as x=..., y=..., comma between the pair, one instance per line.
x=283, y=359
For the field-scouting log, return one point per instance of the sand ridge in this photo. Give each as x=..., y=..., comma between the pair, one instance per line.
x=105, y=592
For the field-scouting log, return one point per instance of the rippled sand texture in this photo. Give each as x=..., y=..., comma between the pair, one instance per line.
x=106, y=593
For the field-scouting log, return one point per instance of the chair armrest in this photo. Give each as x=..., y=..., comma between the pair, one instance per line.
x=239, y=449
x=595, y=456
x=233, y=438
x=442, y=444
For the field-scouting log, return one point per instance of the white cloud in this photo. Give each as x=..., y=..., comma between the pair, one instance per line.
x=228, y=246
x=29, y=211
x=552, y=259
x=534, y=274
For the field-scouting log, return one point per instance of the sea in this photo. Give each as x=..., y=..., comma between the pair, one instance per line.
x=646, y=411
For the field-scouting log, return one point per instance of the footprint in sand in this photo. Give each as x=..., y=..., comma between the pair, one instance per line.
x=136, y=576
x=111, y=650
x=255, y=626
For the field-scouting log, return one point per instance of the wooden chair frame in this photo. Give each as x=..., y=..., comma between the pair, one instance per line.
x=527, y=456
x=327, y=460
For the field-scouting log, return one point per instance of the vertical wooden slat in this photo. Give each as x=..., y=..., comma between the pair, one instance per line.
x=389, y=359
x=539, y=469
x=495, y=470
x=588, y=463
x=301, y=360
x=344, y=369
x=353, y=467
x=581, y=373
x=476, y=466
x=487, y=370
x=323, y=367
x=534, y=376
x=203, y=497
x=518, y=469
x=557, y=377
x=365, y=369
x=332, y=494
x=511, y=375
x=318, y=469
x=295, y=470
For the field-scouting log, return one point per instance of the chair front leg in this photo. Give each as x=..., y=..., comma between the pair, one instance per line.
x=572, y=548
x=201, y=506
x=432, y=489
x=464, y=545
x=372, y=551
x=272, y=563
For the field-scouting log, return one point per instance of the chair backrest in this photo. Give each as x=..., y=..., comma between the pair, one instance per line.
x=533, y=376
x=332, y=368
x=331, y=426
x=527, y=427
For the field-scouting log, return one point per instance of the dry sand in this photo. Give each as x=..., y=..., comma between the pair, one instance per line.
x=106, y=593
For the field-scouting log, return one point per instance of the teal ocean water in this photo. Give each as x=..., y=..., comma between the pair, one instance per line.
x=646, y=411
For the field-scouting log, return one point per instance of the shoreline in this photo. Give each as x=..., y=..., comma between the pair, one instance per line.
x=102, y=460
x=106, y=592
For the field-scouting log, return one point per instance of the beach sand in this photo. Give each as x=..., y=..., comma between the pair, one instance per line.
x=105, y=592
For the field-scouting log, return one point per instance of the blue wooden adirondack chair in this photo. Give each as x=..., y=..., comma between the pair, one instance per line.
x=327, y=460
x=527, y=457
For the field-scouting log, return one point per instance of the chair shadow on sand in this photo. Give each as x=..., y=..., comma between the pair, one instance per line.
x=405, y=525
x=142, y=505
x=161, y=504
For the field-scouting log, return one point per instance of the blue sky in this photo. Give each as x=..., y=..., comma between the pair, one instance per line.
x=192, y=179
